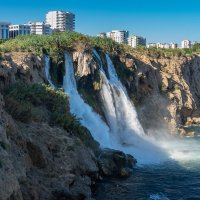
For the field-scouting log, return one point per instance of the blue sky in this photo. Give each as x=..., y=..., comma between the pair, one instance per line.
x=157, y=20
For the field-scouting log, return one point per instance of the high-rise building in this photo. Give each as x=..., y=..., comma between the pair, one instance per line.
x=40, y=28
x=61, y=21
x=185, y=44
x=4, y=30
x=135, y=41
x=15, y=30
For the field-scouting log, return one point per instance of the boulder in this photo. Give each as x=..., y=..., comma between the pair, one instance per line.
x=113, y=163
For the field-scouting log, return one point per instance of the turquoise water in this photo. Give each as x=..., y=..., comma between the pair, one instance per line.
x=176, y=179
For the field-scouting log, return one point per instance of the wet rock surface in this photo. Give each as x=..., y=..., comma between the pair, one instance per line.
x=114, y=163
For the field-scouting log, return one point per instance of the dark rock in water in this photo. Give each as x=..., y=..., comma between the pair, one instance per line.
x=62, y=194
x=115, y=163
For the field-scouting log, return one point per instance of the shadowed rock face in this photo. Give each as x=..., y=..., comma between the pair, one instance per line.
x=41, y=162
x=8, y=182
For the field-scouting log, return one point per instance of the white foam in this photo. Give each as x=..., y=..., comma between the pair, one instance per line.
x=47, y=71
x=124, y=132
x=158, y=196
x=83, y=111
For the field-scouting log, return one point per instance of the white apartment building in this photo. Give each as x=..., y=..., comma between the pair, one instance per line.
x=135, y=41
x=163, y=45
x=39, y=28
x=173, y=45
x=15, y=30
x=185, y=44
x=4, y=30
x=152, y=45
x=61, y=21
x=119, y=36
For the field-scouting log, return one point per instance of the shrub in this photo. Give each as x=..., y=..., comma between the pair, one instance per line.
x=22, y=100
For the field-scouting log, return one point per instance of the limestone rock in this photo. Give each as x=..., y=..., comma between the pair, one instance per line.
x=21, y=67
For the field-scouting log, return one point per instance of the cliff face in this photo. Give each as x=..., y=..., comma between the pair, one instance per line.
x=20, y=67
x=167, y=90
x=42, y=162
x=164, y=90
x=39, y=157
x=38, y=161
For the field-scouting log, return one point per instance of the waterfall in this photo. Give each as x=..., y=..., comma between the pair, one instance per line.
x=124, y=113
x=127, y=133
x=47, y=70
x=83, y=111
x=124, y=131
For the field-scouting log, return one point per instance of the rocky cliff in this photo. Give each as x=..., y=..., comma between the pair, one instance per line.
x=45, y=154
x=40, y=160
x=165, y=90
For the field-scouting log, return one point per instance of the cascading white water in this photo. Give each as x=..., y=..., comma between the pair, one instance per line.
x=126, y=131
x=83, y=111
x=125, y=113
x=47, y=71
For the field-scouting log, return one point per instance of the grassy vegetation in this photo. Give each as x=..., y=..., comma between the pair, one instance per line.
x=56, y=43
x=22, y=102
